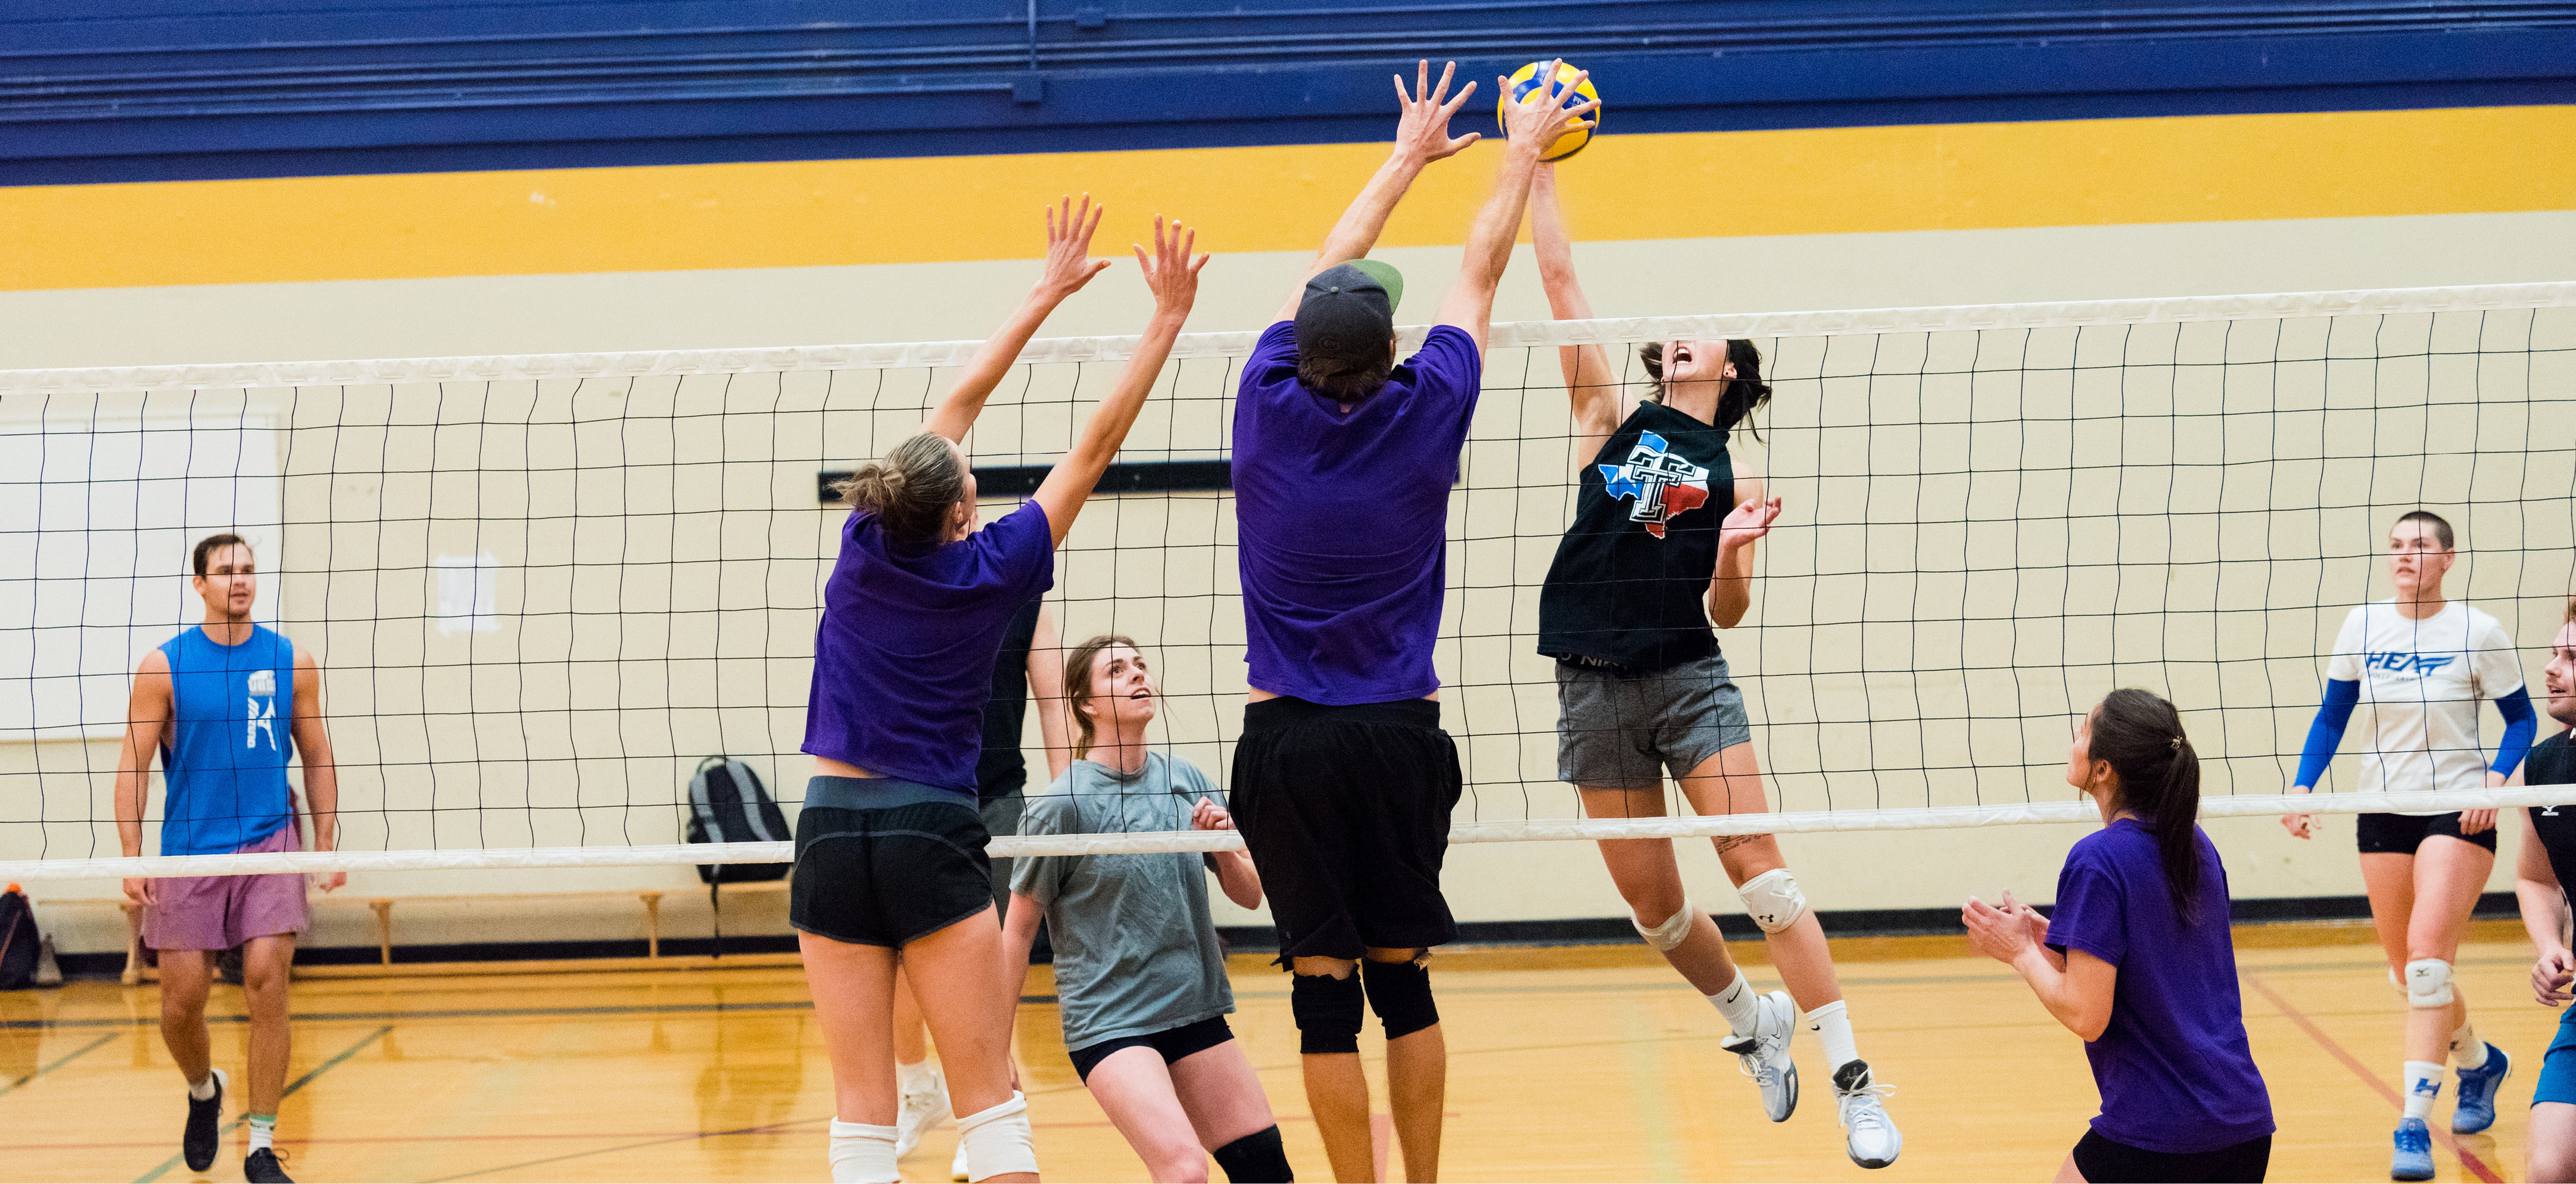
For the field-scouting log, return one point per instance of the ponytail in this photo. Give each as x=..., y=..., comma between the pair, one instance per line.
x=2141, y=735
x=912, y=491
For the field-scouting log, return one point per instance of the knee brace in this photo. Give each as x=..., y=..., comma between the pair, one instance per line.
x=1256, y=1158
x=997, y=1140
x=1669, y=934
x=1773, y=900
x=1327, y=1011
x=1400, y=994
x=863, y=1154
x=2428, y=983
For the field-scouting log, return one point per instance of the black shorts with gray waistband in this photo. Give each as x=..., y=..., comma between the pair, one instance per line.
x=882, y=861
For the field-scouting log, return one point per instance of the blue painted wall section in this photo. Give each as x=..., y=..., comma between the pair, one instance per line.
x=125, y=90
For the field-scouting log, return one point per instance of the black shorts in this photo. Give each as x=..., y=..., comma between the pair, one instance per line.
x=885, y=877
x=2105, y=1162
x=1346, y=813
x=2401, y=834
x=1173, y=1043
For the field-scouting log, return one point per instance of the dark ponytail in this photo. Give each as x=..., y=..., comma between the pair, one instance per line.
x=1741, y=396
x=2141, y=735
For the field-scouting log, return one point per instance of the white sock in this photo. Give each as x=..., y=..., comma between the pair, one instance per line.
x=2467, y=1051
x=919, y=1077
x=203, y=1090
x=1739, y=1005
x=1832, y=1025
x=263, y=1129
x=2423, y=1084
x=863, y=1154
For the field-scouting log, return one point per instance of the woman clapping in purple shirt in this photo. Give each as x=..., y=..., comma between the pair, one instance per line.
x=2136, y=959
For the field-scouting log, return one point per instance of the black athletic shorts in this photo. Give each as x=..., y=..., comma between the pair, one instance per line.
x=1346, y=813
x=2401, y=834
x=2105, y=1162
x=884, y=877
x=1173, y=1043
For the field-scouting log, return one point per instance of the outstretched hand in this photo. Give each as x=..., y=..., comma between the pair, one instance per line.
x=1068, y=261
x=1542, y=116
x=1423, y=132
x=1747, y=522
x=1169, y=271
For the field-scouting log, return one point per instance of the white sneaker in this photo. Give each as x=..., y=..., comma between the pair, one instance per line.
x=1765, y=1053
x=957, y=1166
x=1869, y=1135
x=922, y=1110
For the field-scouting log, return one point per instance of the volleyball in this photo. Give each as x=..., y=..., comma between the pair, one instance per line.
x=1526, y=79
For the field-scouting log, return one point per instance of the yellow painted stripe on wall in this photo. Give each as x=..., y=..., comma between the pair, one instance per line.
x=945, y=209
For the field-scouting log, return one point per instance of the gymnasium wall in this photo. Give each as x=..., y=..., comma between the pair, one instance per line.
x=1778, y=156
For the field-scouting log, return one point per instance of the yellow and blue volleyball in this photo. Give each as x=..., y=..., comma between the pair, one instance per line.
x=1526, y=80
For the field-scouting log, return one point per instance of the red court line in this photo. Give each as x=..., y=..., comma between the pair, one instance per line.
x=2468, y=1159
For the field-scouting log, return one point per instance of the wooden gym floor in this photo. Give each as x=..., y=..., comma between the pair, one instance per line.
x=1578, y=1063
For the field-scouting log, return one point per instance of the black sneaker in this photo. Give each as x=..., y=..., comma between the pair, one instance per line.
x=199, y=1143
x=261, y=1167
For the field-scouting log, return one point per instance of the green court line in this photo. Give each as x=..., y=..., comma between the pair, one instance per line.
x=298, y=1083
x=59, y=1062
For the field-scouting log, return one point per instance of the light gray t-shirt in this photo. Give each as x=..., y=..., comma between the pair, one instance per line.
x=1135, y=950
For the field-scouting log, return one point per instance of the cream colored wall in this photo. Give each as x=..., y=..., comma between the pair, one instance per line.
x=704, y=544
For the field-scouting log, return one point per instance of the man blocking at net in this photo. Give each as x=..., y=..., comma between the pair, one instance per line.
x=1343, y=781
x=223, y=705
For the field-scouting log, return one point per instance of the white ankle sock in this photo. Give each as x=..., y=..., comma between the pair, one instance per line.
x=2423, y=1084
x=920, y=1076
x=1832, y=1025
x=263, y=1131
x=863, y=1154
x=1739, y=1005
x=2467, y=1051
x=203, y=1090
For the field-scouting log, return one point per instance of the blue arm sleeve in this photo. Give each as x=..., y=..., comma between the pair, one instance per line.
x=2519, y=727
x=2326, y=735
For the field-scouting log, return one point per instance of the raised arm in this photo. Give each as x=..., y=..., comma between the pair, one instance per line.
x=321, y=772
x=1174, y=277
x=1535, y=123
x=147, y=719
x=1421, y=136
x=1590, y=385
x=1068, y=267
x=1046, y=689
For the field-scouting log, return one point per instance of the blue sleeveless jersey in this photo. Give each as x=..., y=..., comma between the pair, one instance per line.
x=225, y=756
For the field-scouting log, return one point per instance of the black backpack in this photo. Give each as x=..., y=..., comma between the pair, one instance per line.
x=728, y=805
x=19, y=944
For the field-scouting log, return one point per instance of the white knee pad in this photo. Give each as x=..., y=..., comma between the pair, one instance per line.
x=1773, y=900
x=863, y=1154
x=2428, y=983
x=997, y=1140
x=1669, y=934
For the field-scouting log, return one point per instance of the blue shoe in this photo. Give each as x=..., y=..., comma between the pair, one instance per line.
x=2476, y=1109
x=2414, y=1158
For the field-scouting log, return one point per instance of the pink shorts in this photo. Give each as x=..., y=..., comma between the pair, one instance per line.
x=220, y=912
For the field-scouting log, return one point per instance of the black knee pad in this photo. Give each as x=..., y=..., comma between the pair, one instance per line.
x=1327, y=1011
x=1400, y=994
x=1256, y=1158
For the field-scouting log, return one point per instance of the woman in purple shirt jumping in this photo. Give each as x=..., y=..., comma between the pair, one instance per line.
x=2136, y=959
x=890, y=847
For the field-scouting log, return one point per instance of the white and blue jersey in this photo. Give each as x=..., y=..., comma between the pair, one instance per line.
x=225, y=754
x=2418, y=684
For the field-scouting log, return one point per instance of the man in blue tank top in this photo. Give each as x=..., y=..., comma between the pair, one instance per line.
x=223, y=706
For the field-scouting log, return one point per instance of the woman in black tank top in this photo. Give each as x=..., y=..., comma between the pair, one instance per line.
x=2547, y=864
x=1660, y=547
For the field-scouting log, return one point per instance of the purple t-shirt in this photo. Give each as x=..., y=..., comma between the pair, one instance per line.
x=1344, y=520
x=903, y=659
x=2174, y=1069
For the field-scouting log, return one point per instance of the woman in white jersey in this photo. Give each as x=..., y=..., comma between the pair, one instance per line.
x=2420, y=664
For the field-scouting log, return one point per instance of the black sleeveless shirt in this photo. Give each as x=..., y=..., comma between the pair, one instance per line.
x=2553, y=762
x=1630, y=582
x=1003, y=769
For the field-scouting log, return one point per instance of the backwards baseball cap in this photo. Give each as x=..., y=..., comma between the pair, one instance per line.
x=1348, y=311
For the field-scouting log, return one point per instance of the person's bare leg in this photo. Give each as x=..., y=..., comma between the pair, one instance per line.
x=911, y=1040
x=2551, y=1144
x=2068, y=1173
x=1417, y=1087
x=265, y=965
x=1650, y=880
x=2449, y=874
x=2389, y=879
x=1731, y=783
x=1222, y=1095
x=184, y=976
x=853, y=987
x=1136, y=1091
x=1337, y=1093
x=956, y=977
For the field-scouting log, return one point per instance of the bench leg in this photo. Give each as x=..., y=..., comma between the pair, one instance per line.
x=652, y=923
x=384, y=907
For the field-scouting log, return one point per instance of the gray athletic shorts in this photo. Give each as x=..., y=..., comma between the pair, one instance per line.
x=1625, y=731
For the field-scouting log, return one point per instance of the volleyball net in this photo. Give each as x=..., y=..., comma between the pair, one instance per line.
x=543, y=589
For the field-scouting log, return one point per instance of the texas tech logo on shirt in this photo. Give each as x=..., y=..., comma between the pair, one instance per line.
x=262, y=720
x=1662, y=484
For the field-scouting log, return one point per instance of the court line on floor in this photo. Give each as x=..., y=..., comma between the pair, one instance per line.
x=293, y=1086
x=2468, y=1159
x=59, y=1062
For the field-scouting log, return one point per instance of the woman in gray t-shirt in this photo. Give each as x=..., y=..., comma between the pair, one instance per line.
x=1138, y=971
